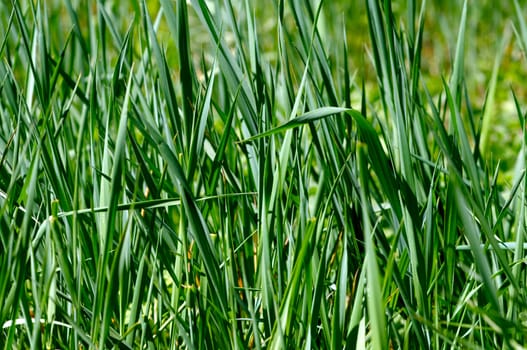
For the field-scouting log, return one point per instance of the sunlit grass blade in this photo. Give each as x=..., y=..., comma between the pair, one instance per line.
x=375, y=309
x=299, y=121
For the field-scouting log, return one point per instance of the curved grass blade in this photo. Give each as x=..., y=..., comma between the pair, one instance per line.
x=306, y=118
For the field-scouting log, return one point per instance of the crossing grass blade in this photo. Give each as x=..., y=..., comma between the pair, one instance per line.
x=308, y=117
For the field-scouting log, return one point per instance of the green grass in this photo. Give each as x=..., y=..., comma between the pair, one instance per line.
x=227, y=175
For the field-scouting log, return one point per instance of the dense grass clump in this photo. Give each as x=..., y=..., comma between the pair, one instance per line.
x=229, y=175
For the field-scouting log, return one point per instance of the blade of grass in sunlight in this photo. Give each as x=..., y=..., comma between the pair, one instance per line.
x=375, y=309
x=299, y=121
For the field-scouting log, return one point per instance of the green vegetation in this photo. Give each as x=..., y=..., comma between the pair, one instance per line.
x=294, y=174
